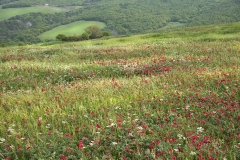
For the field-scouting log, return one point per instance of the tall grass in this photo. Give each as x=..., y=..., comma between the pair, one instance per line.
x=168, y=98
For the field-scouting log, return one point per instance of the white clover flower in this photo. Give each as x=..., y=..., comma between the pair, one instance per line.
x=54, y=153
x=200, y=129
x=193, y=153
x=140, y=128
x=2, y=140
x=91, y=144
x=181, y=136
x=136, y=120
x=64, y=122
x=81, y=107
x=176, y=150
x=111, y=125
x=48, y=125
x=224, y=158
x=187, y=107
x=130, y=134
x=11, y=130
x=114, y=143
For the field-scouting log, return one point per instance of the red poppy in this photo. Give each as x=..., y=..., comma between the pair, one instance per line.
x=63, y=157
x=98, y=126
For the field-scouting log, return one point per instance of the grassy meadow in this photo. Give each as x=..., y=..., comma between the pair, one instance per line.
x=166, y=95
x=77, y=28
x=11, y=12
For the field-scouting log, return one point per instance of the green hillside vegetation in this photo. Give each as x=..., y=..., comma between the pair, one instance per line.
x=11, y=12
x=56, y=3
x=164, y=95
x=209, y=33
x=19, y=5
x=122, y=17
x=6, y=1
x=75, y=28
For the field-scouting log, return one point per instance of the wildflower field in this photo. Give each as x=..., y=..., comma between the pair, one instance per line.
x=171, y=95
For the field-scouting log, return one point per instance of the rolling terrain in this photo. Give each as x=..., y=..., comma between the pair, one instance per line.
x=77, y=27
x=11, y=12
x=164, y=95
x=121, y=17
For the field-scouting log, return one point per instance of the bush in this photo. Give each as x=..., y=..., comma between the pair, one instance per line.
x=85, y=36
x=106, y=34
x=94, y=32
x=21, y=44
x=61, y=37
x=3, y=45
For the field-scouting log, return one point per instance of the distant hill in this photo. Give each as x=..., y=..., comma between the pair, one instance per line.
x=120, y=16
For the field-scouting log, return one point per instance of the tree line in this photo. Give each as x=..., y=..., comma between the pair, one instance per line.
x=16, y=5
x=6, y=1
x=56, y=3
x=91, y=32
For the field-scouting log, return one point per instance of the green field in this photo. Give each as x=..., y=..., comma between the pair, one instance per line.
x=172, y=95
x=70, y=29
x=11, y=12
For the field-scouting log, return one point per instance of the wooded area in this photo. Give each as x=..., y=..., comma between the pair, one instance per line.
x=120, y=16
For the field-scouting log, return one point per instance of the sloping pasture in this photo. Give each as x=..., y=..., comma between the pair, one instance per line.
x=148, y=98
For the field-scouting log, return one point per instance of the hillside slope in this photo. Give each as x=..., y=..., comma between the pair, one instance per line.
x=167, y=95
x=121, y=17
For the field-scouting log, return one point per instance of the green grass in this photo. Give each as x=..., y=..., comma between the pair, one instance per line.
x=11, y=12
x=172, y=25
x=70, y=29
x=224, y=32
x=166, y=95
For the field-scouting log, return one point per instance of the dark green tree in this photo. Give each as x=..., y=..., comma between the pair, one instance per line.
x=105, y=34
x=61, y=37
x=94, y=32
x=85, y=36
x=3, y=45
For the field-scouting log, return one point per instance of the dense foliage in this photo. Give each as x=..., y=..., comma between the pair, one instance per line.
x=16, y=5
x=59, y=3
x=91, y=32
x=121, y=16
x=170, y=95
x=6, y=1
